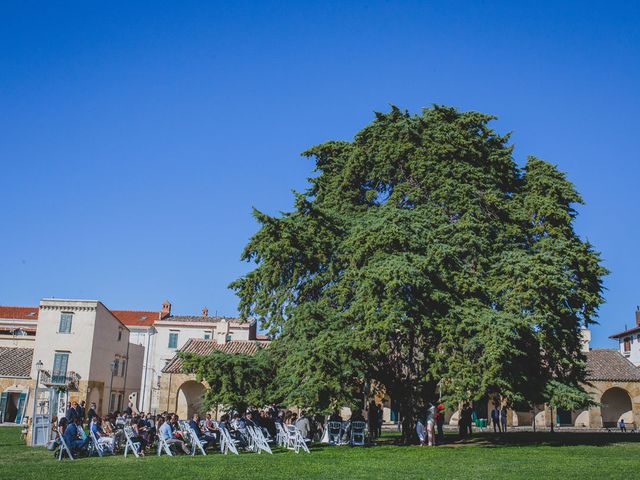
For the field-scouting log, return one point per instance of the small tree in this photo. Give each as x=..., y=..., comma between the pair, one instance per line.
x=235, y=380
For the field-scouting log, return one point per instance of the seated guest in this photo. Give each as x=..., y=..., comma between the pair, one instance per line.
x=335, y=417
x=165, y=433
x=357, y=416
x=303, y=425
x=73, y=436
x=239, y=424
x=175, y=423
x=204, y=435
x=287, y=417
x=248, y=419
x=138, y=434
x=99, y=433
x=267, y=423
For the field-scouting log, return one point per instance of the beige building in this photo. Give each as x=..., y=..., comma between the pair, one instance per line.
x=84, y=343
x=81, y=352
x=153, y=336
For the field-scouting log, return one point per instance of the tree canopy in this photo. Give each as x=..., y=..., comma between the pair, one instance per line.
x=421, y=257
x=235, y=380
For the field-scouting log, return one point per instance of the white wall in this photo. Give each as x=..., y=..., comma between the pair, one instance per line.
x=634, y=355
x=79, y=342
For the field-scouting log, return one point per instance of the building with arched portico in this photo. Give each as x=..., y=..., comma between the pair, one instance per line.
x=180, y=392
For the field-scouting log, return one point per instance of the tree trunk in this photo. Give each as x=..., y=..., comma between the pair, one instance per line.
x=408, y=420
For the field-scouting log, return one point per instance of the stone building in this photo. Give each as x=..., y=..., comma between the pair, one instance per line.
x=15, y=383
x=180, y=392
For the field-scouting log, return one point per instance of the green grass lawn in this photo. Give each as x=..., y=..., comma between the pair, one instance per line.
x=514, y=455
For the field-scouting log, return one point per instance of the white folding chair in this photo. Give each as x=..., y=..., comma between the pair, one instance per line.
x=227, y=444
x=95, y=446
x=335, y=433
x=282, y=438
x=295, y=440
x=194, y=440
x=130, y=444
x=258, y=440
x=63, y=446
x=163, y=446
x=358, y=433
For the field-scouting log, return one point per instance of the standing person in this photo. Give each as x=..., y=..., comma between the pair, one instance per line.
x=623, y=428
x=380, y=413
x=91, y=412
x=503, y=418
x=72, y=411
x=430, y=419
x=82, y=411
x=303, y=425
x=464, y=423
x=372, y=419
x=495, y=419
x=469, y=416
x=440, y=422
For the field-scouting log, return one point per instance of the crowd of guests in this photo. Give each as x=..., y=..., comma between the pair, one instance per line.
x=147, y=430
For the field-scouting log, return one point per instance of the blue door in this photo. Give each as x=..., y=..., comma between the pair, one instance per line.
x=22, y=400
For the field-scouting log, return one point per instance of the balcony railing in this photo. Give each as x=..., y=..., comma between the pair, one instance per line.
x=60, y=379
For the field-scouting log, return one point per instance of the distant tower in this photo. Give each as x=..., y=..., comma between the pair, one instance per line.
x=205, y=312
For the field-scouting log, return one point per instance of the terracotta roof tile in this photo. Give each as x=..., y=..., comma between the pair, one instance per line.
x=22, y=313
x=609, y=365
x=205, y=347
x=15, y=362
x=186, y=319
x=136, y=318
x=624, y=333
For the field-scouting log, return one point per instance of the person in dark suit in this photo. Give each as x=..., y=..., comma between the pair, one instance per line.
x=72, y=412
x=91, y=412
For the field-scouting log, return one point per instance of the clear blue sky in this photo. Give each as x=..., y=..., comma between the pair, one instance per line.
x=136, y=137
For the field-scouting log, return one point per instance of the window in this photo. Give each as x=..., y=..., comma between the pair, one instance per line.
x=116, y=367
x=627, y=344
x=228, y=338
x=60, y=363
x=116, y=401
x=123, y=365
x=173, y=340
x=65, y=322
x=119, y=334
x=207, y=335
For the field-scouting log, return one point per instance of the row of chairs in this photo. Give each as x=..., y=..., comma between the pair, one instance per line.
x=336, y=433
x=290, y=438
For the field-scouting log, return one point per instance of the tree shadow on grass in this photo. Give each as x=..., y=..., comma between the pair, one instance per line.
x=557, y=439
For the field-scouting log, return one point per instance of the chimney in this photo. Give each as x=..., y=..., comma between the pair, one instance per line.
x=585, y=339
x=638, y=316
x=205, y=312
x=166, y=309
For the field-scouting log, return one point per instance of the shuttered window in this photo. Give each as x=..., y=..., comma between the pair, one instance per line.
x=65, y=322
x=60, y=363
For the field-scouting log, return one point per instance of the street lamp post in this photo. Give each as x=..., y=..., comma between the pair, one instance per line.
x=113, y=367
x=39, y=366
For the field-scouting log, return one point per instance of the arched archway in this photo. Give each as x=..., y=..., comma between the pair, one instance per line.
x=189, y=399
x=615, y=404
